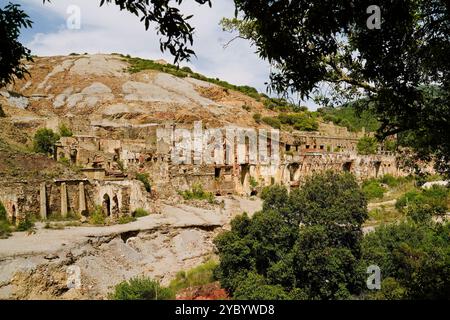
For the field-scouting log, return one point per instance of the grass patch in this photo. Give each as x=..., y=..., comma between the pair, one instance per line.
x=200, y=275
x=384, y=215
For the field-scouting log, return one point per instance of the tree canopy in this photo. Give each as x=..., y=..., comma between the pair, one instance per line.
x=401, y=70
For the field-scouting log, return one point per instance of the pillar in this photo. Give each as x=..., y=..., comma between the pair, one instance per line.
x=63, y=200
x=43, y=201
x=82, y=198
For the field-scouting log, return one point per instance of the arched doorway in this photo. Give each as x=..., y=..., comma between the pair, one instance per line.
x=106, y=205
x=115, y=206
x=347, y=167
x=14, y=215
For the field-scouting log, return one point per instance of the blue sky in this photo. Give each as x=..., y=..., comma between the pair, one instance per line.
x=107, y=30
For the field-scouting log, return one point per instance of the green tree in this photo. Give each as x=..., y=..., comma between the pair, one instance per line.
x=12, y=19
x=44, y=141
x=367, y=145
x=413, y=258
x=65, y=131
x=393, y=71
x=296, y=242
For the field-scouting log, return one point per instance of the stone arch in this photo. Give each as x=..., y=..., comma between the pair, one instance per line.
x=106, y=205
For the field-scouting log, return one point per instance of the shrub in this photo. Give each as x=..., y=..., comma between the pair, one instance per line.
x=436, y=199
x=97, y=217
x=65, y=131
x=200, y=275
x=126, y=219
x=143, y=177
x=25, y=225
x=197, y=193
x=246, y=107
x=5, y=229
x=2, y=113
x=139, y=212
x=3, y=215
x=141, y=288
x=273, y=122
x=372, y=189
x=257, y=117
x=44, y=141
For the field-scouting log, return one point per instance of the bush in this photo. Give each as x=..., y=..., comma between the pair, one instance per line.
x=3, y=215
x=97, y=217
x=65, y=131
x=372, y=189
x=414, y=256
x=139, y=212
x=25, y=225
x=296, y=241
x=257, y=117
x=2, y=113
x=197, y=193
x=5, y=229
x=44, y=141
x=141, y=288
x=273, y=122
x=198, y=276
x=143, y=177
x=367, y=145
x=126, y=219
x=436, y=199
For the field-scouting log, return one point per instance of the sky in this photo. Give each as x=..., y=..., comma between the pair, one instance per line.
x=108, y=30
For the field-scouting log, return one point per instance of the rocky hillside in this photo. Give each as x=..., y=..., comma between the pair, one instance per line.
x=104, y=90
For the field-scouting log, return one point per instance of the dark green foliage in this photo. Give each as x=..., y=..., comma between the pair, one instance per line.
x=255, y=287
x=44, y=141
x=12, y=19
x=434, y=201
x=367, y=145
x=296, y=242
x=414, y=259
x=348, y=116
x=141, y=288
x=303, y=121
x=400, y=71
x=2, y=212
x=5, y=229
x=143, y=177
